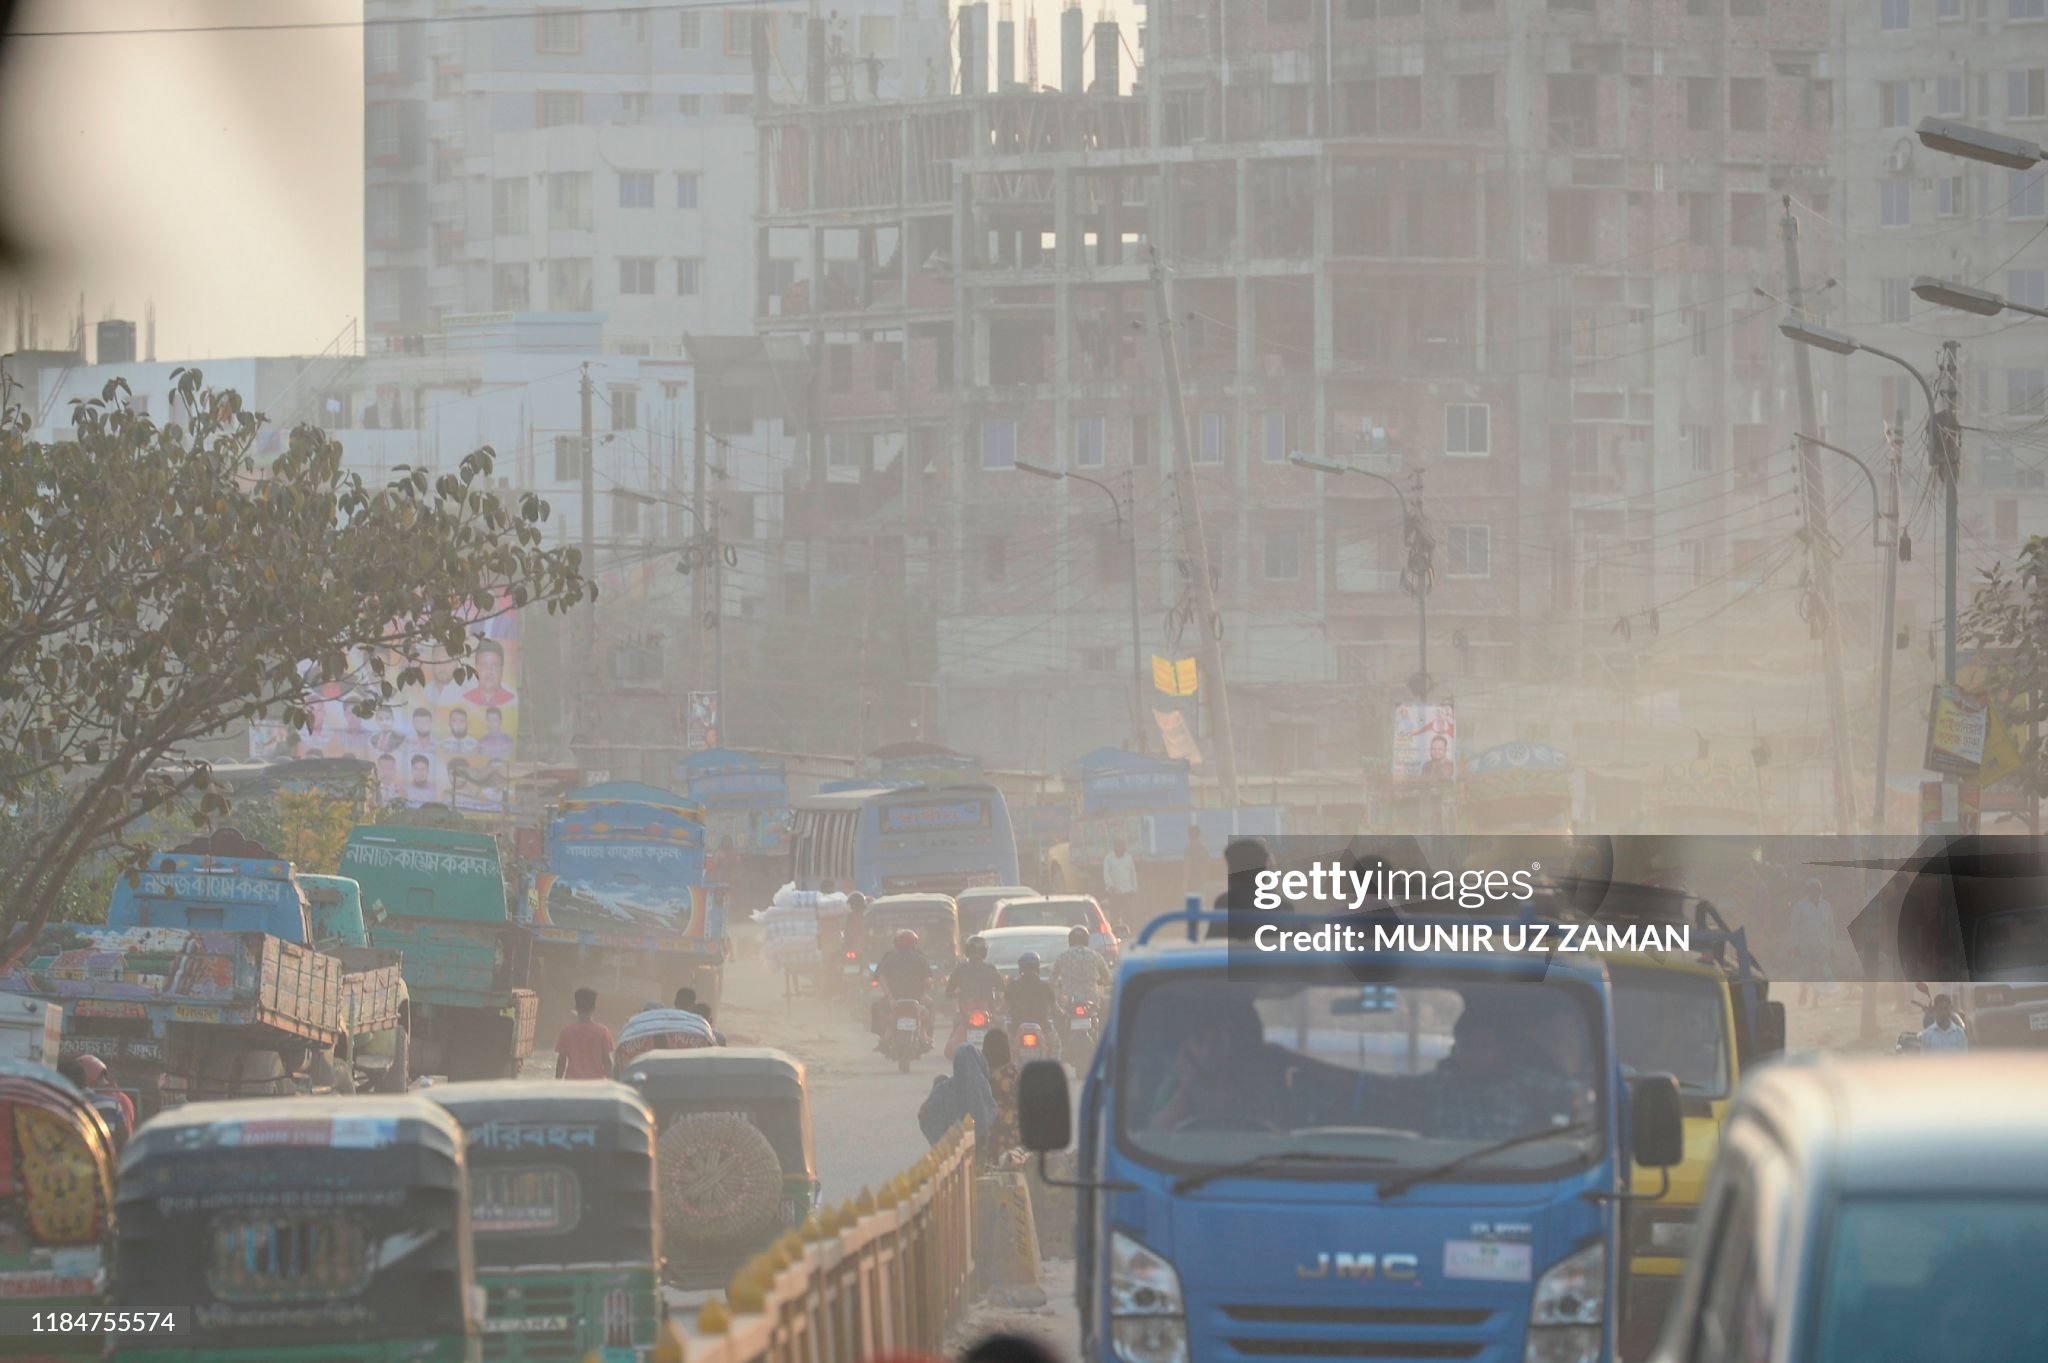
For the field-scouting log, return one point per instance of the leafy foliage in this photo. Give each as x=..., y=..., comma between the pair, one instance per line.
x=159, y=587
x=2008, y=621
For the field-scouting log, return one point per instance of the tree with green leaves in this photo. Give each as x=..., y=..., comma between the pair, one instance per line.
x=160, y=587
x=2007, y=622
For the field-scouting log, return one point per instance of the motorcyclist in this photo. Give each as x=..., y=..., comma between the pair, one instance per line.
x=906, y=974
x=1079, y=974
x=1029, y=999
x=974, y=979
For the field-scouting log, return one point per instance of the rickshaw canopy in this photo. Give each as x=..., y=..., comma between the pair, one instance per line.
x=935, y=918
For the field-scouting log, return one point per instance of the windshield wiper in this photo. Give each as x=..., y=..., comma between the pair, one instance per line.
x=1187, y=1183
x=1394, y=1187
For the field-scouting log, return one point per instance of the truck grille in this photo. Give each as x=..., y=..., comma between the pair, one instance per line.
x=1359, y=1332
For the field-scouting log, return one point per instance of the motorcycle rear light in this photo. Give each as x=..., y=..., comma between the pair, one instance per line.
x=1030, y=1040
x=853, y=955
x=977, y=1019
x=1080, y=1010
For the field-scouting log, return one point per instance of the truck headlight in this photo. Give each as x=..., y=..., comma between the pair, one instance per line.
x=1664, y=1232
x=1567, y=1309
x=1147, y=1317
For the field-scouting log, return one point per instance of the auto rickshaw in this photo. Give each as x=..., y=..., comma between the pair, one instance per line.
x=743, y=1116
x=561, y=1208
x=933, y=917
x=56, y=1210
x=661, y=1029
x=288, y=1229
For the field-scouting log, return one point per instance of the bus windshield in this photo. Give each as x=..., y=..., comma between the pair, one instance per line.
x=1217, y=1069
x=1672, y=1022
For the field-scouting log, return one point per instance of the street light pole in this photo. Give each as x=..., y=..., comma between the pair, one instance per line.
x=1137, y=653
x=1323, y=465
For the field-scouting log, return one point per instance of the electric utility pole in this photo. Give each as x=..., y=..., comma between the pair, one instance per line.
x=586, y=461
x=1188, y=501
x=1820, y=549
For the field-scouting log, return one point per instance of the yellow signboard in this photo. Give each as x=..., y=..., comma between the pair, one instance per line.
x=1174, y=678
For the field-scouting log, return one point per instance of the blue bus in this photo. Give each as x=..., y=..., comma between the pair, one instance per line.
x=895, y=839
x=1348, y=1171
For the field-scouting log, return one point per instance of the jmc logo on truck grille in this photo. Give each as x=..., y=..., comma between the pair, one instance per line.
x=1393, y=1267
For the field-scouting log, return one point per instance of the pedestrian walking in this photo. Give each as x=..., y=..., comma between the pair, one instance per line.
x=1120, y=883
x=583, y=1048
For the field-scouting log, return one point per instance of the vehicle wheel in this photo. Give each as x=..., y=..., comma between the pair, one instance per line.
x=720, y=1182
x=395, y=1079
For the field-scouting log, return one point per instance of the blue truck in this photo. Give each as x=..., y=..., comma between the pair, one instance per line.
x=214, y=976
x=1413, y=1154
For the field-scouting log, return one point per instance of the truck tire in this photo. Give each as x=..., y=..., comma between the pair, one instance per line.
x=395, y=1079
x=720, y=1182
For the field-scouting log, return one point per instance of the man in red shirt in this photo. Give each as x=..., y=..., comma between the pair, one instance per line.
x=584, y=1048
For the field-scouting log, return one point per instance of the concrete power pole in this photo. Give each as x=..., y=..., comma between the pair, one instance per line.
x=1188, y=501
x=1820, y=550
x=586, y=462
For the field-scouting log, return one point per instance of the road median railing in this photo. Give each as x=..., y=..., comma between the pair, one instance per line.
x=888, y=1272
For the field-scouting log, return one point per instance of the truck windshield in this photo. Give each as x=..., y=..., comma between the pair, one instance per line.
x=1217, y=1070
x=1671, y=1022
x=1935, y=1277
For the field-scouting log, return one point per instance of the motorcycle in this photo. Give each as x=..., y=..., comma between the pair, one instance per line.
x=1033, y=1043
x=1078, y=1022
x=908, y=1036
x=970, y=1026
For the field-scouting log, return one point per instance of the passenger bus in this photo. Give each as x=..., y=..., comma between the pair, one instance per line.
x=883, y=839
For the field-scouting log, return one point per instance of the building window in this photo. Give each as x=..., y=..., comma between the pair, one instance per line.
x=1701, y=441
x=686, y=189
x=1276, y=437
x=2027, y=287
x=633, y=106
x=1895, y=15
x=636, y=189
x=382, y=60
x=1702, y=103
x=1088, y=441
x=508, y=206
x=508, y=288
x=998, y=444
x=1699, y=218
x=569, y=284
x=1895, y=297
x=625, y=408
x=1948, y=94
x=636, y=25
x=739, y=33
x=1468, y=551
x=1895, y=203
x=1475, y=103
x=2027, y=193
x=1209, y=447
x=2030, y=9
x=1948, y=196
x=1746, y=104
x=2026, y=93
x=1894, y=103
x=558, y=31
x=569, y=201
x=1283, y=555
x=1468, y=428
x=691, y=30
x=568, y=458
x=384, y=137
x=559, y=108
x=1948, y=9
x=2023, y=390
x=690, y=106
x=739, y=104
x=689, y=274
x=386, y=224
x=636, y=275
x=625, y=512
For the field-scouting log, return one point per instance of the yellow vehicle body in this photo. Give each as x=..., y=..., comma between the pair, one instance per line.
x=1666, y=1007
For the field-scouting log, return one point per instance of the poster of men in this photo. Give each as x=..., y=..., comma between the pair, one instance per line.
x=444, y=742
x=1425, y=742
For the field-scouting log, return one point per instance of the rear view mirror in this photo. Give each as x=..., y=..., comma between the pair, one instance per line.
x=1657, y=1119
x=1044, y=1119
x=1770, y=1027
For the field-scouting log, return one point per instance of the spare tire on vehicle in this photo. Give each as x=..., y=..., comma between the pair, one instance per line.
x=720, y=1181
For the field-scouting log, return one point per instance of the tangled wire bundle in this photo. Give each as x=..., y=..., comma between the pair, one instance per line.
x=720, y=1180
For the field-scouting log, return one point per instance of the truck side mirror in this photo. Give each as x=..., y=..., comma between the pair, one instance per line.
x=1770, y=1027
x=1658, y=1121
x=1045, y=1121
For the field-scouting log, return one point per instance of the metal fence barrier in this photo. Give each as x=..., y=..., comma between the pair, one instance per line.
x=885, y=1273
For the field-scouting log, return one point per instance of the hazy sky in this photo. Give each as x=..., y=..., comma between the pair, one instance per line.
x=219, y=173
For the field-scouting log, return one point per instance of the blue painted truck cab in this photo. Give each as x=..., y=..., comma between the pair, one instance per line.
x=1369, y=1188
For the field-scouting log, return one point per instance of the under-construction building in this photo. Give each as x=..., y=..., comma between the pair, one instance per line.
x=1504, y=253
